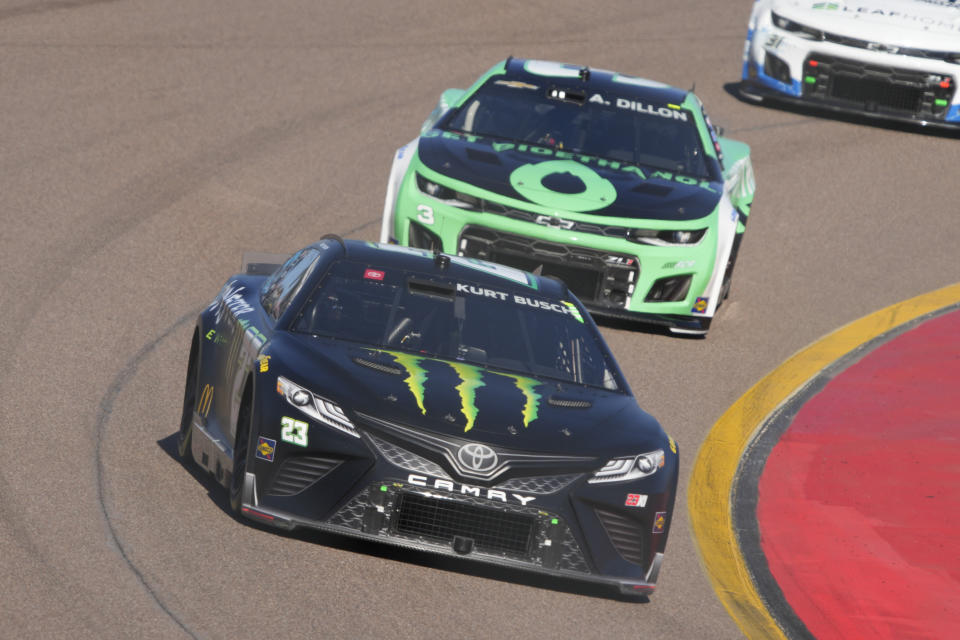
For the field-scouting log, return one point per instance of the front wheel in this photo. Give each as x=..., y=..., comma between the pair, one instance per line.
x=241, y=445
x=728, y=272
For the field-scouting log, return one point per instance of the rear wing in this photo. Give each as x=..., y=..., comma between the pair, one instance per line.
x=255, y=263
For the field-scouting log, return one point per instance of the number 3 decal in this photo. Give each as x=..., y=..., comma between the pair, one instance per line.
x=293, y=431
x=425, y=214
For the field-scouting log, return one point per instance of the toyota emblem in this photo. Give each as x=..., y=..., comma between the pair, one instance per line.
x=477, y=457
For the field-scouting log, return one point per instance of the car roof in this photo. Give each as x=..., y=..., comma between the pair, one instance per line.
x=588, y=78
x=481, y=272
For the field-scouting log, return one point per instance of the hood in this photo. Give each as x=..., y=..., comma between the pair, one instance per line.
x=568, y=182
x=923, y=24
x=466, y=401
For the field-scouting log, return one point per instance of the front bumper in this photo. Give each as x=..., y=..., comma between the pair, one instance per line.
x=613, y=277
x=848, y=78
x=558, y=524
x=373, y=515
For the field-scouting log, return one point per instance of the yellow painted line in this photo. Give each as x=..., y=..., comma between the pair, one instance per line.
x=708, y=496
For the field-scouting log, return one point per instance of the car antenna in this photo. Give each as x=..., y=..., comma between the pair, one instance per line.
x=585, y=74
x=693, y=87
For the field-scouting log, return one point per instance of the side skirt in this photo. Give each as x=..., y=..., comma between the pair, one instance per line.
x=211, y=450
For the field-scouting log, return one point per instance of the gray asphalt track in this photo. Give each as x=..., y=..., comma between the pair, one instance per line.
x=145, y=145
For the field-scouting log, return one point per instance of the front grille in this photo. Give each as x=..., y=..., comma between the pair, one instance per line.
x=876, y=88
x=298, y=473
x=606, y=230
x=422, y=238
x=626, y=534
x=522, y=534
x=881, y=92
x=541, y=485
x=596, y=277
x=407, y=459
x=440, y=520
x=776, y=68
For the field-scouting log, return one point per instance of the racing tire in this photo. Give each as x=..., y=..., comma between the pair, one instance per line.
x=185, y=434
x=240, y=450
x=728, y=272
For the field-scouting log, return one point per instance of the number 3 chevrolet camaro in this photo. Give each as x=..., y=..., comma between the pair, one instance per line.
x=619, y=186
x=430, y=401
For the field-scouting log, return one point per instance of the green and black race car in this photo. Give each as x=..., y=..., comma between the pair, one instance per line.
x=619, y=186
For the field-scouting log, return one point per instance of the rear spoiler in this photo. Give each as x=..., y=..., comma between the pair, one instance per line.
x=255, y=263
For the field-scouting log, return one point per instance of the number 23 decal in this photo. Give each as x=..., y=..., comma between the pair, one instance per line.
x=293, y=431
x=425, y=214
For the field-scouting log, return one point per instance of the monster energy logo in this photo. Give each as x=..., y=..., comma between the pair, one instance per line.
x=471, y=379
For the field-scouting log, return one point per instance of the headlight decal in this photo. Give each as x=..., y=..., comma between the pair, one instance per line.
x=630, y=467
x=317, y=407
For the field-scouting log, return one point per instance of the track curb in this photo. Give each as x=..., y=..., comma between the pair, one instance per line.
x=718, y=460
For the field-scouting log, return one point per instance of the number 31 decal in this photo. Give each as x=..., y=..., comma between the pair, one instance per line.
x=425, y=214
x=293, y=431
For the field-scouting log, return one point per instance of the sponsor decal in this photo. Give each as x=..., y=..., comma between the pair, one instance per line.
x=206, y=400
x=664, y=112
x=673, y=444
x=917, y=19
x=467, y=490
x=516, y=84
x=636, y=500
x=615, y=165
x=252, y=329
x=679, y=264
x=266, y=449
x=527, y=387
x=659, y=521
x=373, y=274
x=416, y=375
x=216, y=338
x=293, y=431
x=700, y=305
x=472, y=378
x=573, y=310
x=230, y=297
x=264, y=363
x=528, y=180
x=546, y=305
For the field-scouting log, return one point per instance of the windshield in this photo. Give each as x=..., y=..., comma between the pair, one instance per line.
x=606, y=127
x=464, y=321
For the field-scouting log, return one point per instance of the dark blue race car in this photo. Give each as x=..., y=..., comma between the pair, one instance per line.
x=430, y=401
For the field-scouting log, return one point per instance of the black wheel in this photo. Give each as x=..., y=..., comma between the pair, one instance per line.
x=189, y=404
x=728, y=272
x=240, y=450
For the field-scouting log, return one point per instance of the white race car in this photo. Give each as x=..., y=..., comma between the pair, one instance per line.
x=891, y=59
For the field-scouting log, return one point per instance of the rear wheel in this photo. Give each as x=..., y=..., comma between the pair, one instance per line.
x=189, y=403
x=240, y=450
